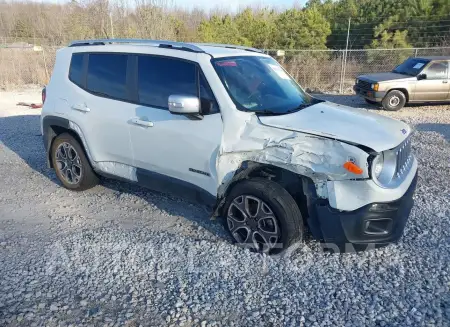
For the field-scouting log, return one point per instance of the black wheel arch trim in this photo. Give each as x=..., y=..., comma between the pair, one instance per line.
x=52, y=126
x=248, y=169
x=49, y=134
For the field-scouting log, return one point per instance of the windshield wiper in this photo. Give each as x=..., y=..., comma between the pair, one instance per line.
x=266, y=112
x=304, y=105
x=300, y=107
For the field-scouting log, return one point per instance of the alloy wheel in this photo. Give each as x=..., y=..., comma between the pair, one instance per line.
x=68, y=163
x=253, y=224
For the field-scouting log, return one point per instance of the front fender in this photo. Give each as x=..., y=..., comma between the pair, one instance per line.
x=319, y=158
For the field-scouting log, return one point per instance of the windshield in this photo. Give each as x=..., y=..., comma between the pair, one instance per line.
x=260, y=84
x=411, y=67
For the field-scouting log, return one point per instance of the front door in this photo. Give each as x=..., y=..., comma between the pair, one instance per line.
x=436, y=85
x=180, y=147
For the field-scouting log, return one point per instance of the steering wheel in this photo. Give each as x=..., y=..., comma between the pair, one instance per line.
x=256, y=90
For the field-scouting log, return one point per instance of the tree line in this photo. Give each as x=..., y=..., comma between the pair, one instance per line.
x=319, y=24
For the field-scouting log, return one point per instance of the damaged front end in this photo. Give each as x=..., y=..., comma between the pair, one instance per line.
x=362, y=215
x=317, y=158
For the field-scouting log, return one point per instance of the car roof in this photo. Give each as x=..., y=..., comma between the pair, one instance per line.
x=212, y=49
x=435, y=58
x=219, y=52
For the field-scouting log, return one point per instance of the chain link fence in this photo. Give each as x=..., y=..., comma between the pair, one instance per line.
x=24, y=64
x=327, y=71
x=334, y=71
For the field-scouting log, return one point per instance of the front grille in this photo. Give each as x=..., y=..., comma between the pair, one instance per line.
x=404, y=157
x=364, y=84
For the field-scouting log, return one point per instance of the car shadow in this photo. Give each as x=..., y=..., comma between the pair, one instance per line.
x=22, y=135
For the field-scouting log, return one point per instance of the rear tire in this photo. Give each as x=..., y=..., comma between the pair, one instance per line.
x=276, y=226
x=394, y=100
x=71, y=165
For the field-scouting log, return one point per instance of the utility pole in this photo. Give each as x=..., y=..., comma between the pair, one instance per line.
x=345, y=57
x=111, y=23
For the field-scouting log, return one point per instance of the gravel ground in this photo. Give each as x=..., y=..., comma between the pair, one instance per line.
x=121, y=255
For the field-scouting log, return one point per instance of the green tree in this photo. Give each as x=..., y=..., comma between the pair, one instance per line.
x=302, y=29
x=257, y=27
x=390, y=40
x=221, y=30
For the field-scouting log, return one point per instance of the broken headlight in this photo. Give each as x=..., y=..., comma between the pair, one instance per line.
x=383, y=168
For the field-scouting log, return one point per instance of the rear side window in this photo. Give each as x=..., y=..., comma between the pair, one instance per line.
x=76, y=69
x=107, y=75
x=160, y=77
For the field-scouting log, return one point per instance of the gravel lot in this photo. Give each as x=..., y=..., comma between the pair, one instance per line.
x=122, y=255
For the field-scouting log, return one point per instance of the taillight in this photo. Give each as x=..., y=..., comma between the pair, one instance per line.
x=44, y=95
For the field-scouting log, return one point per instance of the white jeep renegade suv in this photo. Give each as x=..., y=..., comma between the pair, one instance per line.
x=227, y=126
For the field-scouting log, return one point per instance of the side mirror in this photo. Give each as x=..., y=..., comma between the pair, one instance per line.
x=184, y=104
x=421, y=77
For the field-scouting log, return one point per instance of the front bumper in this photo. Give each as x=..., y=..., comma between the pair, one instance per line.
x=375, y=224
x=369, y=94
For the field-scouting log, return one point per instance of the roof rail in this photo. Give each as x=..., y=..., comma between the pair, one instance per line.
x=158, y=43
x=230, y=46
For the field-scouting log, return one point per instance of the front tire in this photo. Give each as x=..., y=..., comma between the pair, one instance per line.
x=261, y=215
x=71, y=165
x=394, y=100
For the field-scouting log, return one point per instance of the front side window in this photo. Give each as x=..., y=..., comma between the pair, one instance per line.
x=207, y=99
x=260, y=84
x=160, y=77
x=107, y=74
x=411, y=67
x=437, y=70
x=76, y=69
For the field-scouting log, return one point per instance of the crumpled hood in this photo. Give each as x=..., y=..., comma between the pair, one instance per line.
x=382, y=77
x=357, y=126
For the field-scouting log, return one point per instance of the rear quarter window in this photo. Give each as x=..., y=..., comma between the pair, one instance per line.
x=76, y=68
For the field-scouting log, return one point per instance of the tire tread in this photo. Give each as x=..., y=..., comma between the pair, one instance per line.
x=89, y=178
x=291, y=221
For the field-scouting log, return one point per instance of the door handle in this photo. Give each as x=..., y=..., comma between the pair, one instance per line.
x=80, y=107
x=445, y=82
x=140, y=122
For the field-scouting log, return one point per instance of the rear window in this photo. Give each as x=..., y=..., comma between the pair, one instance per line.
x=76, y=68
x=107, y=74
x=160, y=77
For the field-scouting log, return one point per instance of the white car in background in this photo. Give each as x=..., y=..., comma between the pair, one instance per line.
x=227, y=126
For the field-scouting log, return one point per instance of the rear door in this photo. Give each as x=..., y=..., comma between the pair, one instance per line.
x=436, y=86
x=98, y=105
